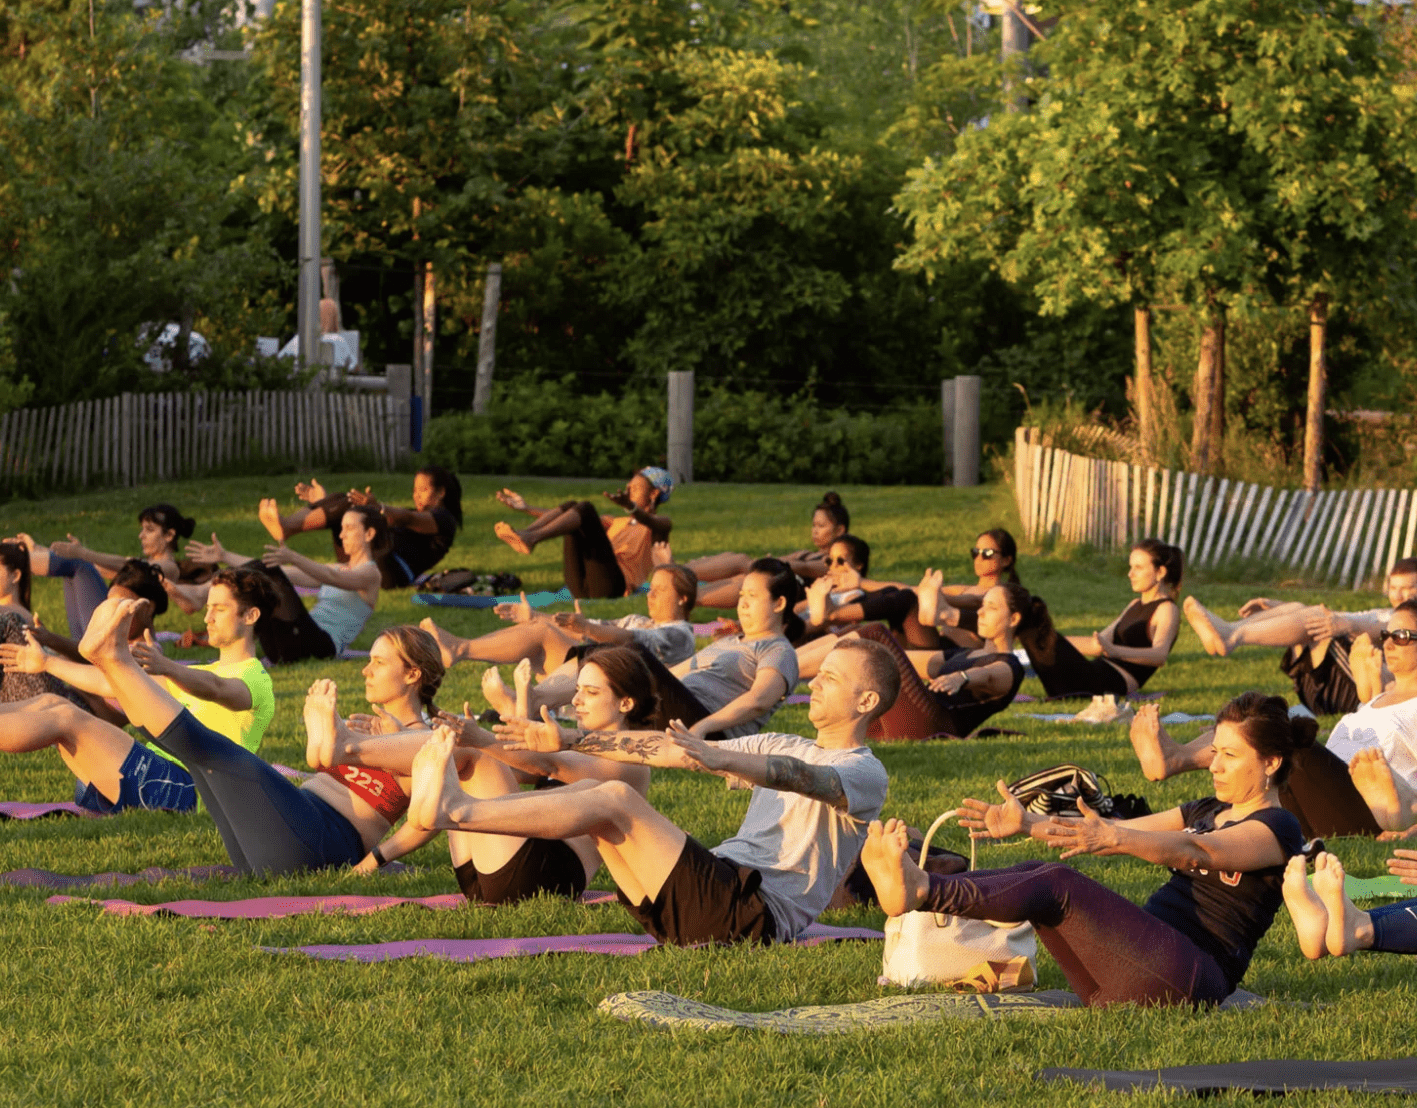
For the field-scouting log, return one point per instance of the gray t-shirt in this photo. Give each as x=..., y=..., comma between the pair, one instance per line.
x=671, y=643
x=803, y=847
x=725, y=670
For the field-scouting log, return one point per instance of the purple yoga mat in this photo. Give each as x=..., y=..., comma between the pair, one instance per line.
x=20, y=809
x=476, y=950
x=47, y=879
x=276, y=907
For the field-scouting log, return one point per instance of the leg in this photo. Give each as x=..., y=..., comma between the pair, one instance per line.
x=638, y=845
x=549, y=525
x=289, y=634
x=1160, y=755
x=1305, y=906
x=587, y=559
x=1061, y=667
x=1284, y=625
x=720, y=594
x=84, y=590
x=1110, y=950
x=1391, y=801
x=811, y=655
x=544, y=644
x=917, y=713
x=484, y=779
x=93, y=750
x=1348, y=928
x=719, y=567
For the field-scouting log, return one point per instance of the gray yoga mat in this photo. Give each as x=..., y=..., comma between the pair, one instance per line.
x=1286, y=1076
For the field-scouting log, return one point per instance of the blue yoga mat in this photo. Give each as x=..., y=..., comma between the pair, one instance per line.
x=454, y=600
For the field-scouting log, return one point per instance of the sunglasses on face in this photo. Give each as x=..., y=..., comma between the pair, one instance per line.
x=838, y=562
x=988, y=553
x=1402, y=636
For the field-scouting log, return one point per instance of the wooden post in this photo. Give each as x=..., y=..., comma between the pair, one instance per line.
x=681, y=426
x=1396, y=530
x=401, y=392
x=1142, y=384
x=947, y=423
x=1318, y=386
x=1207, y=429
x=487, y=339
x=429, y=319
x=966, y=437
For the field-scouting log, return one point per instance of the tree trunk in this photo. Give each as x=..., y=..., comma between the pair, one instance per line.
x=1318, y=388
x=181, y=349
x=1142, y=385
x=429, y=318
x=1013, y=44
x=1208, y=393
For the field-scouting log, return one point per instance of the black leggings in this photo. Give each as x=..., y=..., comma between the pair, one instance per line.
x=267, y=824
x=1322, y=794
x=588, y=560
x=1110, y=950
x=1395, y=927
x=919, y=712
x=289, y=634
x=1061, y=666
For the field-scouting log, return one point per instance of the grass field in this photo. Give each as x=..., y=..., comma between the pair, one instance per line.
x=109, y=1011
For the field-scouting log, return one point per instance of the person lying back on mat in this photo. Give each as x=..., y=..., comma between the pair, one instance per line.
x=1318, y=642
x=348, y=591
x=419, y=537
x=267, y=823
x=731, y=687
x=602, y=556
x=86, y=572
x=1348, y=787
x=614, y=692
x=233, y=695
x=1327, y=921
x=1193, y=940
x=846, y=597
x=721, y=575
x=545, y=638
x=802, y=831
x=1123, y=655
x=965, y=687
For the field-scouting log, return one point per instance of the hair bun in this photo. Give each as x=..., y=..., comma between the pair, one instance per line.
x=831, y=498
x=1303, y=727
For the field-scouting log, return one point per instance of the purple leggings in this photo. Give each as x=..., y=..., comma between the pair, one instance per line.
x=1111, y=951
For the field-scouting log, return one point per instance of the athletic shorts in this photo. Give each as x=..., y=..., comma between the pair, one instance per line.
x=148, y=780
x=706, y=899
x=541, y=865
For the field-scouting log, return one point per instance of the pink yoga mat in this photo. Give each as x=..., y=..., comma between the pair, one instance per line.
x=276, y=907
x=476, y=950
x=47, y=879
x=20, y=809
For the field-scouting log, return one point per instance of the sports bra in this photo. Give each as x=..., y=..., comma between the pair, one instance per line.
x=1134, y=630
x=376, y=788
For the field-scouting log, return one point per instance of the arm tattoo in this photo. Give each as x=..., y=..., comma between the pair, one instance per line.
x=639, y=746
x=793, y=775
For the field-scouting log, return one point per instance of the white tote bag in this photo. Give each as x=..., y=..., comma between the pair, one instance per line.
x=928, y=948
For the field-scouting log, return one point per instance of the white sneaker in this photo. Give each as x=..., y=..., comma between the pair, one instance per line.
x=1105, y=709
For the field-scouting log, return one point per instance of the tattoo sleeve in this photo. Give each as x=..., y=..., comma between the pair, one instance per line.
x=634, y=746
x=796, y=776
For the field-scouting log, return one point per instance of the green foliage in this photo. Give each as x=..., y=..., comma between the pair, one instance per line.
x=546, y=428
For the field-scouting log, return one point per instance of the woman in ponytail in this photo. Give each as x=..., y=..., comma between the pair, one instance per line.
x=1121, y=657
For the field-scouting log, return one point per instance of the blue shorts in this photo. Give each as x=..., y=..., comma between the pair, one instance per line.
x=148, y=780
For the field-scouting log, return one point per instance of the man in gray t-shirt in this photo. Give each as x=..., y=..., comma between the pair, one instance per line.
x=812, y=801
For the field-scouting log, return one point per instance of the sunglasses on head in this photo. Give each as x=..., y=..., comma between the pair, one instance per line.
x=1402, y=636
x=988, y=553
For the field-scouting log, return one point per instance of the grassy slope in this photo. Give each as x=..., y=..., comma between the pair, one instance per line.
x=112, y=1011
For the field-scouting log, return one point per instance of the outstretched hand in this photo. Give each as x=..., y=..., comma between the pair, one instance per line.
x=149, y=655
x=206, y=553
x=310, y=493
x=365, y=499
x=277, y=554
x=520, y=612
x=1252, y=607
x=620, y=497
x=69, y=547
x=26, y=657
x=993, y=821
x=543, y=737
x=1403, y=864
x=512, y=499
x=696, y=753
x=1090, y=835
x=574, y=622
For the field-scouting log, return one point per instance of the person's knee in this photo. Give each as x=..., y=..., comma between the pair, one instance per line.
x=54, y=704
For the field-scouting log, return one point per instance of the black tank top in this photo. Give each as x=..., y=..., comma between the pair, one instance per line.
x=1134, y=630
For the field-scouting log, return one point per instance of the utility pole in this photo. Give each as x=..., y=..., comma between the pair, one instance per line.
x=308, y=305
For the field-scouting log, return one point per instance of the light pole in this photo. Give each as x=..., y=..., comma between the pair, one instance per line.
x=310, y=253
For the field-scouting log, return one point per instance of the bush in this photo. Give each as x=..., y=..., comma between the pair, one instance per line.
x=545, y=428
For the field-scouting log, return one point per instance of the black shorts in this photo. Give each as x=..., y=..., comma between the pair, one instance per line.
x=1326, y=689
x=706, y=899
x=540, y=866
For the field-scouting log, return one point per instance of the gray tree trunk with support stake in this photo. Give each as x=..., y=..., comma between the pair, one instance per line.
x=487, y=339
x=681, y=426
x=1013, y=45
x=947, y=425
x=966, y=431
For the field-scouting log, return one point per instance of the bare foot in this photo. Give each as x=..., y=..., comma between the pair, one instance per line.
x=1366, y=663
x=189, y=598
x=321, y=715
x=1348, y=929
x=1207, y=626
x=496, y=693
x=512, y=537
x=269, y=514
x=106, y=637
x=661, y=554
x=449, y=645
x=1305, y=909
x=434, y=780
x=1150, y=741
x=900, y=884
x=1374, y=780
x=521, y=681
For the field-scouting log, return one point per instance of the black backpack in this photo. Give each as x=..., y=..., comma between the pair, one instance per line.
x=467, y=582
x=1056, y=791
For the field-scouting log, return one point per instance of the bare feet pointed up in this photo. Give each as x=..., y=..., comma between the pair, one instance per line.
x=448, y=643
x=1305, y=908
x=435, y=781
x=1381, y=790
x=512, y=537
x=107, y=634
x=1348, y=929
x=521, y=681
x=499, y=698
x=1209, y=628
x=900, y=884
x=321, y=724
x=268, y=513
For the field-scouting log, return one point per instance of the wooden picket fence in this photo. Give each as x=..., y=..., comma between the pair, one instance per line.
x=1348, y=537
x=140, y=437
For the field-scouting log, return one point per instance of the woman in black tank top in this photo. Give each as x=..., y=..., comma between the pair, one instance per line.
x=1123, y=655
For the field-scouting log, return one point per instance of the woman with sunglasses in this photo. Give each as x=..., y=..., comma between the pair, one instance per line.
x=953, y=610
x=1123, y=655
x=1359, y=784
x=845, y=597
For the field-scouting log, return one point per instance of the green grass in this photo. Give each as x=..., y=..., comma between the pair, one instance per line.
x=99, y=1010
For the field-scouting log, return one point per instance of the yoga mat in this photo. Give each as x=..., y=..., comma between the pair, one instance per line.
x=1298, y=1075
x=47, y=879
x=1369, y=888
x=476, y=950
x=291, y=774
x=278, y=907
x=456, y=600
x=21, y=809
x=661, y=1009
x=798, y=698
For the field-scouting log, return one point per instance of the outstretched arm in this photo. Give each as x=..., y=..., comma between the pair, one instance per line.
x=772, y=771
x=230, y=692
x=1238, y=848
x=405, y=840
x=310, y=572
x=769, y=687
